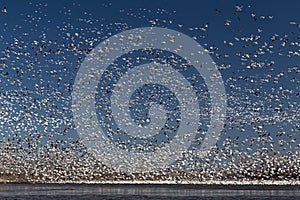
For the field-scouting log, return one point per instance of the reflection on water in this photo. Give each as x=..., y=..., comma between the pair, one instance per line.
x=69, y=191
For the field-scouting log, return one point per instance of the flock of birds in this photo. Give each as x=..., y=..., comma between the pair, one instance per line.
x=36, y=76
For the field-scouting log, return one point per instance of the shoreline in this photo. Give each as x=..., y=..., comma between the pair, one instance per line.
x=217, y=183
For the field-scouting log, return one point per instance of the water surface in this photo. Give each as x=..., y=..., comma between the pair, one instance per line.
x=127, y=192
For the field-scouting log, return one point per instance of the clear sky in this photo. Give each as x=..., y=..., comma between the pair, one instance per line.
x=255, y=44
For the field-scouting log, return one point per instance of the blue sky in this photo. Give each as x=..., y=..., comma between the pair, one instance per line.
x=254, y=43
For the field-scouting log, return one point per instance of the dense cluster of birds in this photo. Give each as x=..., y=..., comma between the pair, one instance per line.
x=38, y=138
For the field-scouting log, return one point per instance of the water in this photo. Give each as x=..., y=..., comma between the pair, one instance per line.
x=128, y=192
